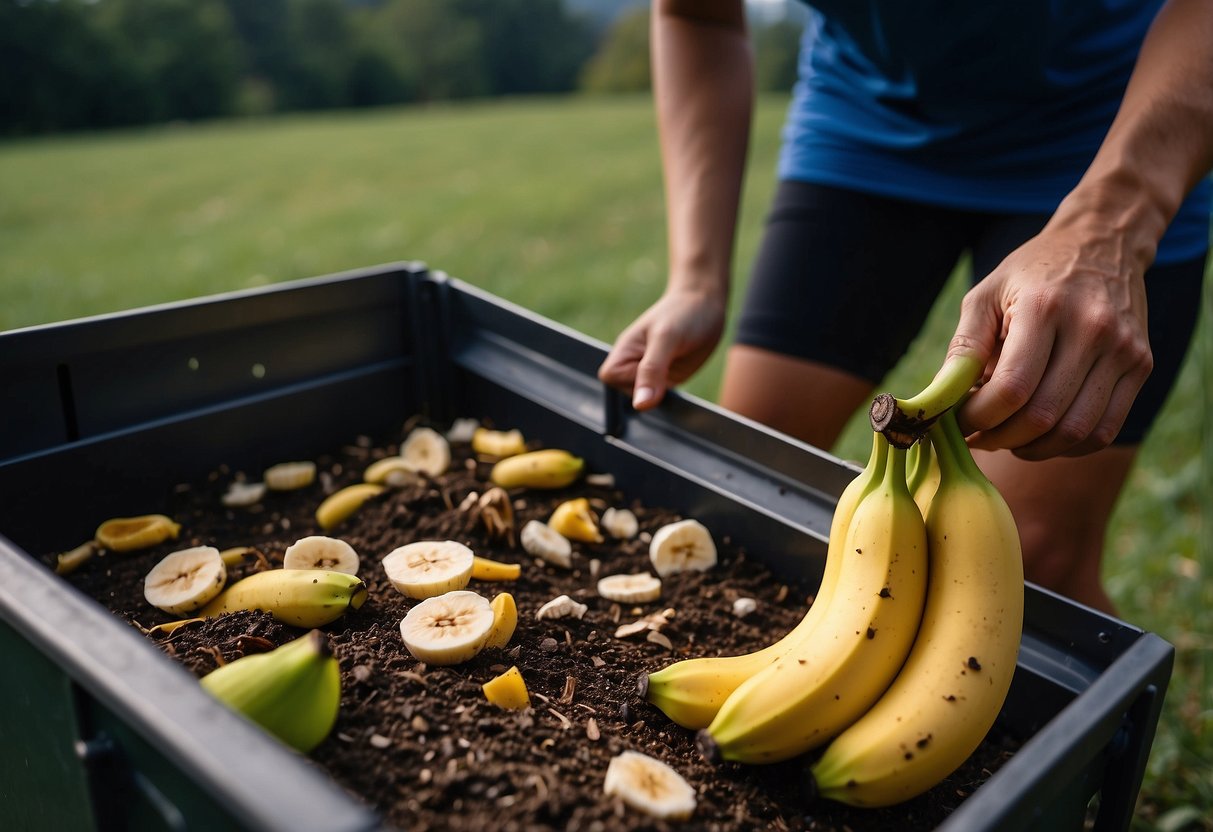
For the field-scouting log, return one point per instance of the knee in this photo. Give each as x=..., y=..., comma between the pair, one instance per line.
x=1065, y=558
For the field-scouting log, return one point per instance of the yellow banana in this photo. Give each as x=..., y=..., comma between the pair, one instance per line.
x=498, y=443
x=300, y=597
x=958, y=673
x=341, y=505
x=832, y=677
x=294, y=692
x=550, y=468
x=690, y=692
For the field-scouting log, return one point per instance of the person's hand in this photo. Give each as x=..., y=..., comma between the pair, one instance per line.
x=665, y=345
x=1061, y=326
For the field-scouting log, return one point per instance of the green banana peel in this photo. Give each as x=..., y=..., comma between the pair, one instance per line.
x=905, y=421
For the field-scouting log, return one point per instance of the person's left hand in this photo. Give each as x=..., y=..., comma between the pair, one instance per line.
x=1061, y=327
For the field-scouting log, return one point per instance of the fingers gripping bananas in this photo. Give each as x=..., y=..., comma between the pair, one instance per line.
x=812, y=692
x=958, y=673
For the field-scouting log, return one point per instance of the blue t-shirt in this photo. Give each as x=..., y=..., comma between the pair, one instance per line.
x=996, y=105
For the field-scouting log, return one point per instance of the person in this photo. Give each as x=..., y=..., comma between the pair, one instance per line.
x=1062, y=146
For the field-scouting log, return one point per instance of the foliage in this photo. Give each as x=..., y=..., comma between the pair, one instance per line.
x=776, y=49
x=622, y=63
x=70, y=64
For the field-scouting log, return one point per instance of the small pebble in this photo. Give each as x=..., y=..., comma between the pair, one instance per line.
x=380, y=741
x=548, y=645
x=361, y=673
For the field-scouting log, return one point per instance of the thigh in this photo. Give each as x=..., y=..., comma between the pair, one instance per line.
x=802, y=398
x=845, y=279
x=1173, y=293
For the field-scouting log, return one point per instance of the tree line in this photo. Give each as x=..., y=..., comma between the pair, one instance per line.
x=84, y=64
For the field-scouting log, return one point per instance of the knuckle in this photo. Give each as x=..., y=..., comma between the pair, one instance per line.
x=1073, y=431
x=1104, y=434
x=1048, y=303
x=1010, y=390
x=1103, y=323
x=1040, y=418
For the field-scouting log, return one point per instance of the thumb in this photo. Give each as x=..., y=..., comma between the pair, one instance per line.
x=976, y=336
x=978, y=328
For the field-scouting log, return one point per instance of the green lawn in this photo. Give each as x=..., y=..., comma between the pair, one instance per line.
x=534, y=201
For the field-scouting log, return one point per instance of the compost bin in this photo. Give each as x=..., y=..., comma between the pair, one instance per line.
x=100, y=730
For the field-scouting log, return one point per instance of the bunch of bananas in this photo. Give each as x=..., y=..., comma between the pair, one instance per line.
x=905, y=657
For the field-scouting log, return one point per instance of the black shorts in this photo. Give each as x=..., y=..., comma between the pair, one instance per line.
x=847, y=279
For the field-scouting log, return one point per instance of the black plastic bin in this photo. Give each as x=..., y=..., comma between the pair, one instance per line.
x=100, y=730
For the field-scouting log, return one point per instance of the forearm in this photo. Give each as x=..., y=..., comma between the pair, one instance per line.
x=703, y=86
x=1161, y=142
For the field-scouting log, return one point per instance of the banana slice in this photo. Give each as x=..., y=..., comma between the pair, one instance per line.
x=319, y=552
x=429, y=567
x=498, y=443
x=395, y=471
x=630, y=589
x=620, y=523
x=68, y=562
x=427, y=451
x=185, y=580
x=125, y=534
x=449, y=628
x=287, y=476
x=575, y=520
x=461, y=431
x=683, y=546
x=650, y=786
x=341, y=505
x=243, y=494
x=507, y=690
x=561, y=607
x=542, y=541
x=505, y=620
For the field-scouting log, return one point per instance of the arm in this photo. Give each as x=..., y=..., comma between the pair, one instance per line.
x=703, y=89
x=1061, y=322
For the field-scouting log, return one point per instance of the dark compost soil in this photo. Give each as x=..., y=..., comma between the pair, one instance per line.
x=423, y=747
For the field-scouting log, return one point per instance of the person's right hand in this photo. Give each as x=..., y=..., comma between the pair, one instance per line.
x=665, y=345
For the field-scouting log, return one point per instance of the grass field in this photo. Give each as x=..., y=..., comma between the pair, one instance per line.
x=556, y=205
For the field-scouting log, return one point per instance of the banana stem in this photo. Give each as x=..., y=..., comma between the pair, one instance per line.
x=955, y=460
x=905, y=421
x=918, y=464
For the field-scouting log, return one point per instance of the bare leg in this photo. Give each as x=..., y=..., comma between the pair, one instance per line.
x=1062, y=506
x=801, y=398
